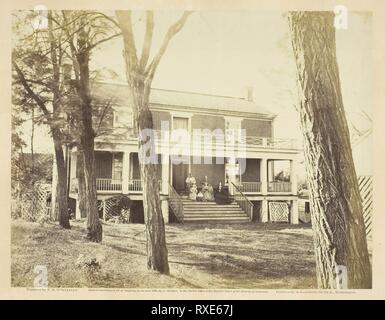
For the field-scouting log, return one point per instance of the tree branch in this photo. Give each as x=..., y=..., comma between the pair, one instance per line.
x=108, y=18
x=172, y=31
x=125, y=24
x=147, y=40
x=27, y=88
x=104, y=40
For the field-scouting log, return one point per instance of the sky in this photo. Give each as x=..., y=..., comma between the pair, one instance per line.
x=225, y=52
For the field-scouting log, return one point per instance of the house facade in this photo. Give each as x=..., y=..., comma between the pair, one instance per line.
x=226, y=141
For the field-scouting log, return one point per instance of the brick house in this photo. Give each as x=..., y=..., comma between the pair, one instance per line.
x=259, y=171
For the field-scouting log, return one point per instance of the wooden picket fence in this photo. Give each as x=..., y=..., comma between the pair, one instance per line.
x=365, y=184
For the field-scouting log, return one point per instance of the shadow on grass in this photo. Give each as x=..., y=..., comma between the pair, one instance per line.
x=233, y=261
x=125, y=250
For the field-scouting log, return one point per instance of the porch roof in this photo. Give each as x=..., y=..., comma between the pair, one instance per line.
x=118, y=92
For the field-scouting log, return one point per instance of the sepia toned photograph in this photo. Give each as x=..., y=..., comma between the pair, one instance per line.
x=187, y=149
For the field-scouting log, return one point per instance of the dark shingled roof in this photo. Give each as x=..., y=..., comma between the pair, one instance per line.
x=119, y=94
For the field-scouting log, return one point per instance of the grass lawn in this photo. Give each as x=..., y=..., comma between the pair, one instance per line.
x=253, y=256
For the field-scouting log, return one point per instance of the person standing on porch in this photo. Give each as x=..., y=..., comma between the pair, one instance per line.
x=190, y=181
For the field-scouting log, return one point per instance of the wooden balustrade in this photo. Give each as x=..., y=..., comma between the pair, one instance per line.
x=221, y=141
x=135, y=185
x=176, y=203
x=108, y=184
x=252, y=187
x=279, y=186
x=242, y=201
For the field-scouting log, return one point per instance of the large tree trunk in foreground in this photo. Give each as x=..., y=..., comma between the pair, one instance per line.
x=61, y=200
x=139, y=77
x=337, y=219
x=87, y=140
x=157, y=256
x=81, y=184
x=94, y=227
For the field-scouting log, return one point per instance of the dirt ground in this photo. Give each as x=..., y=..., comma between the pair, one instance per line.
x=252, y=256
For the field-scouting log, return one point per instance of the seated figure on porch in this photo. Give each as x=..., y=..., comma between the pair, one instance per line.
x=193, y=192
x=208, y=191
x=190, y=181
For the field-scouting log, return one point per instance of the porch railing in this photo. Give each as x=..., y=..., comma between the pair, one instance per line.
x=242, y=201
x=108, y=185
x=252, y=187
x=277, y=143
x=266, y=142
x=135, y=185
x=278, y=186
x=176, y=203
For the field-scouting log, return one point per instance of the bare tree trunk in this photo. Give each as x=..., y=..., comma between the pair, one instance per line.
x=157, y=256
x=81, y=185
x=140, y=73
x=337, y=219
x=61, y=200
x=32, y=151
x=87, y=140
x=94, y=228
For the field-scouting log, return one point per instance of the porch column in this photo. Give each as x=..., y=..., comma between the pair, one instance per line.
x=264, y=211
x=164, y=207
x=231, y=174
x=165, y=173
x=294, y=212
x=264, y=176
x=77, y=210
x=293, y=176
x=125, y=172
x=74, y=158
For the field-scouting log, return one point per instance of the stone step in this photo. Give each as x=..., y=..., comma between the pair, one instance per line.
x=206, y=213
x=208, y=204
x=216, y=206
x=219, y=208
x=217, y=220
x=212, y=204
x=218, y=215
x=211, y=212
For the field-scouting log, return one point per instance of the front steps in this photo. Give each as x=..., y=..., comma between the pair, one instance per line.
x=210, y=212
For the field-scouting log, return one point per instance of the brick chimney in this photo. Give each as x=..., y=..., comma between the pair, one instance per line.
x=250, y=93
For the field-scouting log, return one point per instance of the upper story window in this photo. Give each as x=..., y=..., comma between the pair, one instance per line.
x=123, y=119
x=180, y=123
x=233, y=127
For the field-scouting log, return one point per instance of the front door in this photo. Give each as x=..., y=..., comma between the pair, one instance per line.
x=179, y=176
x=180, y=171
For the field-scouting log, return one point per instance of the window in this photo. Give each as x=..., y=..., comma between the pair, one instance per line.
x=180, y=123
x=233, y=127
x=123, y=119
x=117, y=166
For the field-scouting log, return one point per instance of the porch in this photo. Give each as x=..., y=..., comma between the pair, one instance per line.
x=116, y=185
x=116, y=172
x=272, y=187
x=267, y=176
x=119, y=172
